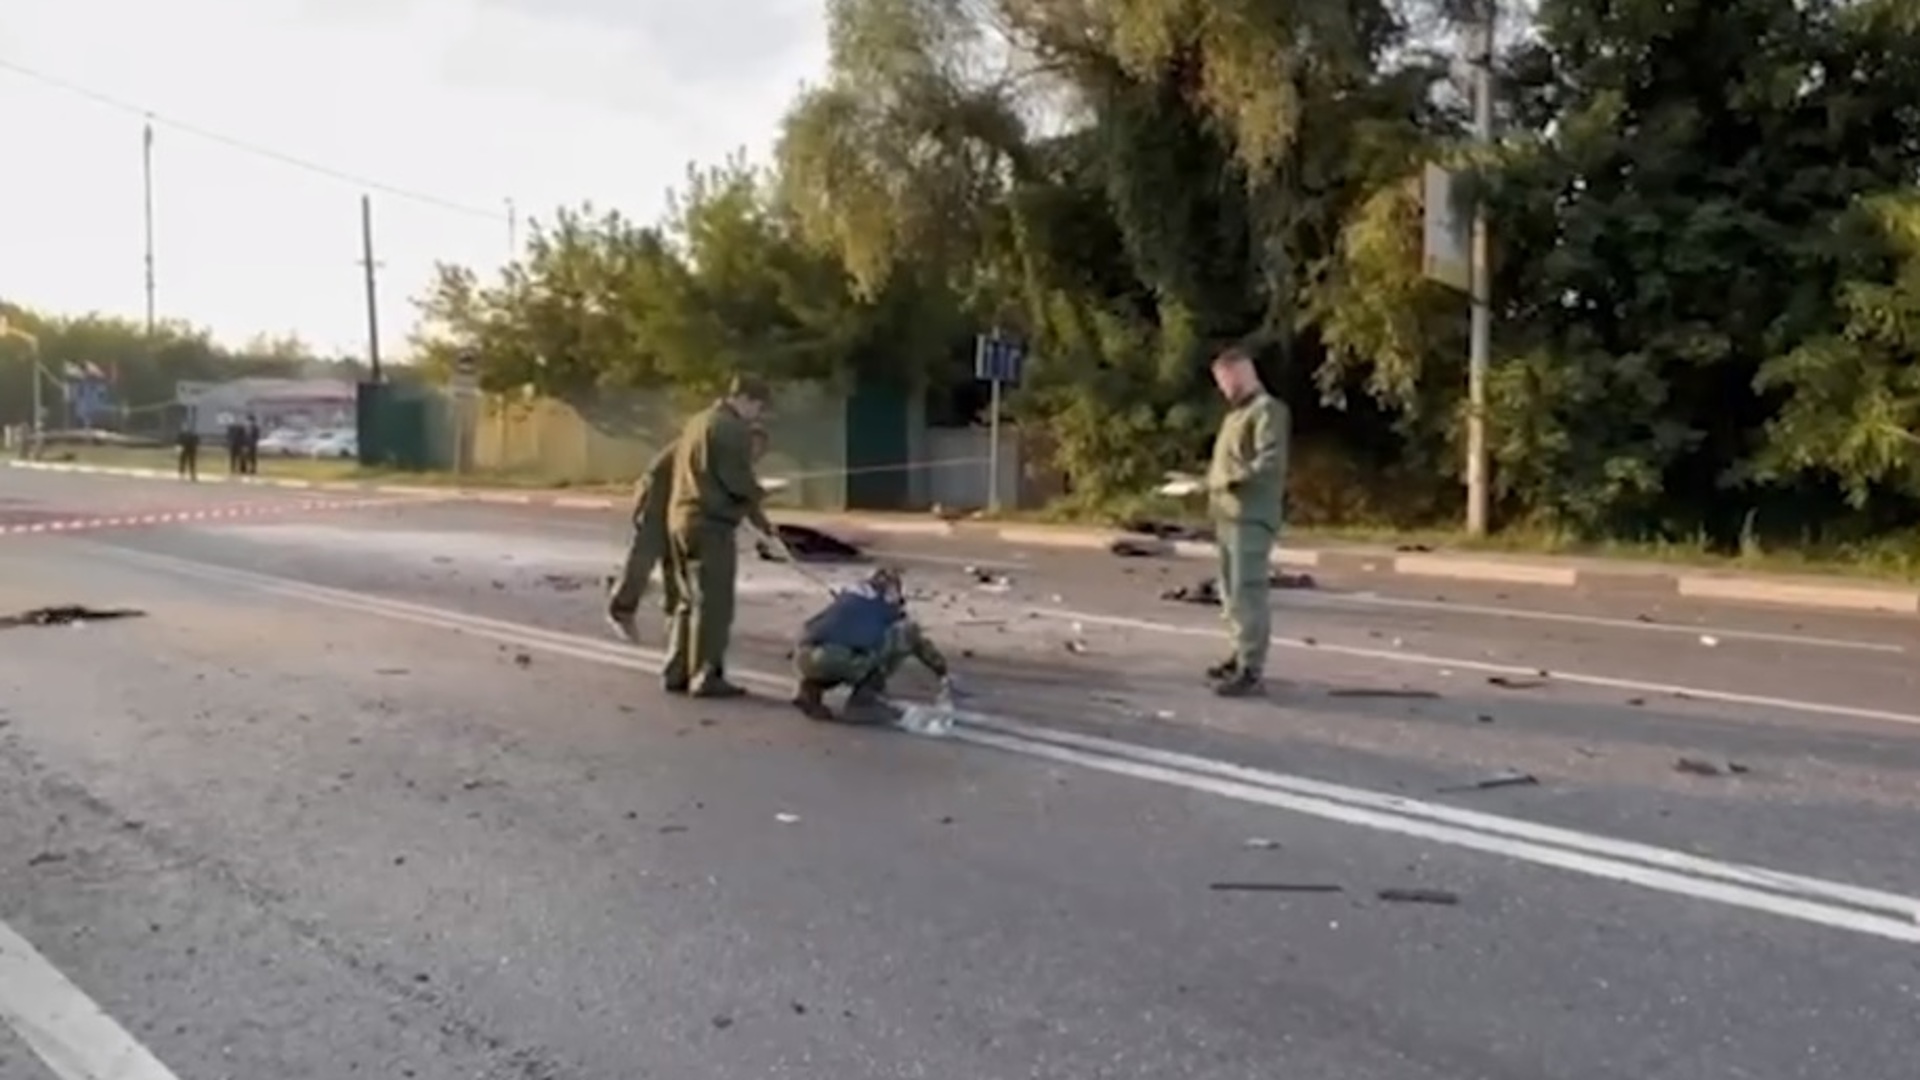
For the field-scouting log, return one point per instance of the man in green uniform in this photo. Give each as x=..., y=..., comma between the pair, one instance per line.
x=713, y=491
x=860, y=640
x=1246, y=493
x=647, y=548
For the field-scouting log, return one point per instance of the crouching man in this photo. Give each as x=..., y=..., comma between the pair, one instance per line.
x=860, y=640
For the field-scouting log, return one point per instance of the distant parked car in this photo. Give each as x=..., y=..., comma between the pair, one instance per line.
x=285, y=442
x=335, y=444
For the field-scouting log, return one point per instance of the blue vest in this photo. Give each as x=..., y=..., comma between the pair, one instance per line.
x=857, y=619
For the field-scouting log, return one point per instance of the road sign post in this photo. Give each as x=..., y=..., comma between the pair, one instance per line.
x=997, y=362
x=465, y=385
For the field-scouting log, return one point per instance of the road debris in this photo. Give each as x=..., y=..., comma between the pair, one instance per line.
x=1703, y=767
x=787, y=819
x=1510, y=778
x=1207, y=590
x=1709, y=640
x=1261, y=843
x=809, y=545
x=563, y=582
x=47, y=858
x=67, y=615
x=521, y=659
x=1274, y=886
x=1510, y=682
x=1418, y=896
x=1139, y=547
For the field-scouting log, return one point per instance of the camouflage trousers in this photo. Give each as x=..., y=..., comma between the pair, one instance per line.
x=837, y=665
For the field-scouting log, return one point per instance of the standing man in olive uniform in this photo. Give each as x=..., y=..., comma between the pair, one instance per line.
x=647, y=548
x=1246, y=493
x=714, y=490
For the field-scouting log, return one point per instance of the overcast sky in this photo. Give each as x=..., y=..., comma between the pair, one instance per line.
x=471, y=102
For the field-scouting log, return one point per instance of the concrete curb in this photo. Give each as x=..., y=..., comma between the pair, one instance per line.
x=1642, y=579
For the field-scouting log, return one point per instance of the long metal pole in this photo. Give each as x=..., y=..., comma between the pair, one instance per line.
x=373, y=293
x=1480, y=285
x=146, y=177
x=993, y=449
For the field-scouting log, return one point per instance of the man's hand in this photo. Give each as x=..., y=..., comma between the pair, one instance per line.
x=778, y=546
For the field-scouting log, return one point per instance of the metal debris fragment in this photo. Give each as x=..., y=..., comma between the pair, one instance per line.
x=1418, y=896
x=67, y=615
x=1261, y=843
x=787, y=819
x=1703, y=767
x=1509, y=682
x=1507, y=779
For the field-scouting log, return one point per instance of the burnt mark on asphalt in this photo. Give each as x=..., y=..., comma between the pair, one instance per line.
x=67, y=615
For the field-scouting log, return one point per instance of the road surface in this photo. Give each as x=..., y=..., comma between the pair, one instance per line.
x=366, y=791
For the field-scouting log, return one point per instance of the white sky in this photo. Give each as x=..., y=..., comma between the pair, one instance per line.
x=471, y=102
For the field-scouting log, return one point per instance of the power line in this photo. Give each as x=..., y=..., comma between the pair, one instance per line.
x=246, y=147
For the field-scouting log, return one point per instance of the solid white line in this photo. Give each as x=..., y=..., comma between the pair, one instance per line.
x=1724, y=697
x=1834, y=904
x=60, y=1023
x=1841, y=918
x=1895, y=904
x=1448, y=606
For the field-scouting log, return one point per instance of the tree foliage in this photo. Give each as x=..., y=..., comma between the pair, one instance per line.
x=1705, y=214
x=144, y=371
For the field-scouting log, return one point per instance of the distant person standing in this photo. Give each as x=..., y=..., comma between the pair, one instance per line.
x=189, y=443
x=236, y=448
x=1246, y=495
x=251, y=448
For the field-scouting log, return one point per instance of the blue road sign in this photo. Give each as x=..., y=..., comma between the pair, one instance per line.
x=997, y=360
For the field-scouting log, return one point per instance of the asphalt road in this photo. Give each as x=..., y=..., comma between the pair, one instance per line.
x=367, y=792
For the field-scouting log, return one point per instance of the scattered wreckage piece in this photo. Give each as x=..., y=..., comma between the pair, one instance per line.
x=67, y=615
x=810, y=545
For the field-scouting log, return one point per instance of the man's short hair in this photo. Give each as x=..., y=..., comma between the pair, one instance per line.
x=1232, y=354
x=751, y=387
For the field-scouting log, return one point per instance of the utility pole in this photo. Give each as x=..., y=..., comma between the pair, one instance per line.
x=513, y=231
x=1480, y=284
x=373, y=293
x=146, y=176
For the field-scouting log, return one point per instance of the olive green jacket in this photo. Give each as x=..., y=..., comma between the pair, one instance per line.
x=713, y=471
x=1247, y=479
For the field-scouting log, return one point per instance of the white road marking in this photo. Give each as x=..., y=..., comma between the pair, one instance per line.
x=62, y=1024
x=1609, y=682
x=1838, y=905
x=1448, y=606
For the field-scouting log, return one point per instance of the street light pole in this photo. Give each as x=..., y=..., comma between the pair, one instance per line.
x=1480, y=286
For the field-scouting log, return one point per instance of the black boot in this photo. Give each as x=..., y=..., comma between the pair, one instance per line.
x=1225, y=669
x=714, y=685
x=1241, y=684
x=810, y=698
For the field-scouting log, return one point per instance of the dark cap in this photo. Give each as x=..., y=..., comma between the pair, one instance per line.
x=749, y=386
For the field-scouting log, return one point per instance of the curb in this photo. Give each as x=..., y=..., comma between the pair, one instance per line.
x=1640, y=579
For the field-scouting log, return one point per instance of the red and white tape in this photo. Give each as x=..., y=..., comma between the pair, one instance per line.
x=176, y=517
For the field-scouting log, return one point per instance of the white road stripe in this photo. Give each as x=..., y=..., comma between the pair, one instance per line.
x=60, y=1023
x=1724, y=697
x=1839, y=905
x=1723, y=633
